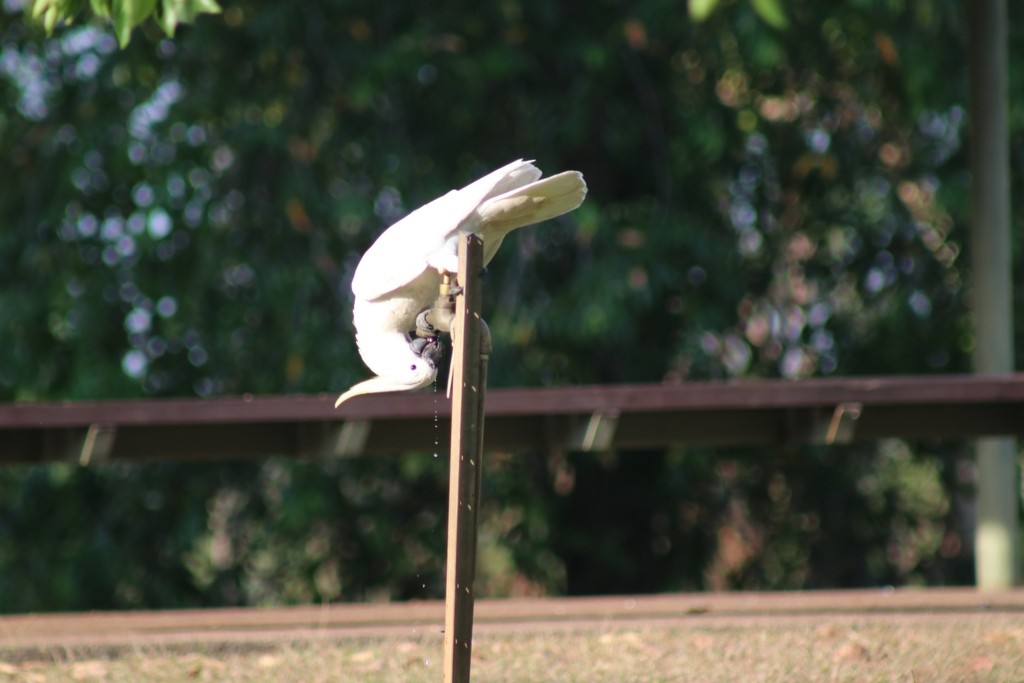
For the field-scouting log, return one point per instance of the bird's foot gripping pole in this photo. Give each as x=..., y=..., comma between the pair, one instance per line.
x=472, y=347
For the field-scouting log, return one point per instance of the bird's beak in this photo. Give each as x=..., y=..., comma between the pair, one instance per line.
x=374, y=385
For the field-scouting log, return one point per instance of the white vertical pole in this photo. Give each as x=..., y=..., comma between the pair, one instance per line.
x=992, y=283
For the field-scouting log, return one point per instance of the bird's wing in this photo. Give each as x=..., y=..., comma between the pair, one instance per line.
x=404, y=250
x=400, y=254
x=507, y=178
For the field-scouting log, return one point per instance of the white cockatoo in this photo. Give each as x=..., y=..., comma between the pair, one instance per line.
x=399, y=276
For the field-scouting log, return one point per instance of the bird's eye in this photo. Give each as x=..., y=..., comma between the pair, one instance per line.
x=412, y=367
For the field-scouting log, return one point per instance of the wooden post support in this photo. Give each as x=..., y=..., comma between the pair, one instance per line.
x=471, y=342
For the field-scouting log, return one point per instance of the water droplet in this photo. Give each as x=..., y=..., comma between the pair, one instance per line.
x=436, y=422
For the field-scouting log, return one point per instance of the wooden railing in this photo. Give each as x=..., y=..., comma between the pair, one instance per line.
x=587, y=418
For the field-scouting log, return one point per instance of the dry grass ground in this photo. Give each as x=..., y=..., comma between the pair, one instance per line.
x=700, y=643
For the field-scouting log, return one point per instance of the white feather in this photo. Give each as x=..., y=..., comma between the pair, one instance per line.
x=399, y=275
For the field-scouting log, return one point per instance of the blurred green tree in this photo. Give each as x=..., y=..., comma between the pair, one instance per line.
x=183, y=217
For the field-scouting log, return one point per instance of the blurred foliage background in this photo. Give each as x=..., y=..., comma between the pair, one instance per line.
x=767, y=199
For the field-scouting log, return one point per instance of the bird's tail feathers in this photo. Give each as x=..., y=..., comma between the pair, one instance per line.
x=539, y=201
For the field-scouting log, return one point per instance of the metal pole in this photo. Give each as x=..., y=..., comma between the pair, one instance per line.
x=992, y=284
x=471, y=343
